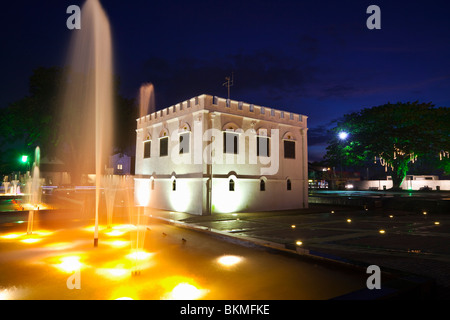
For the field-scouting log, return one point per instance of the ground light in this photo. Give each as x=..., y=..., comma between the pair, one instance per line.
x=185, y=291
x=229, y=260
x=69, y=264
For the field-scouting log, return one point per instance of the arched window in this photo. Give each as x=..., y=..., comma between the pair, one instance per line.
x=231, y=185
x=174, y=185
x=147, y=149
x=288, y=184
x=262, y=185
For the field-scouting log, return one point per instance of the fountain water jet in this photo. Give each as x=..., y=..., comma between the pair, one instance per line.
x=88, y=103
x=110, y=185
x=137, y=216
x=146, y=99
x=6, y=186
x=34, y=192
x=15, y=190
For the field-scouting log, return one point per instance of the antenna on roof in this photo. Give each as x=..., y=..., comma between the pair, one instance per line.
x=229, y=83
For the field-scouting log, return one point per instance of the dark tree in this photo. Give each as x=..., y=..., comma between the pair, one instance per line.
x=35, y=120
x=394, y=135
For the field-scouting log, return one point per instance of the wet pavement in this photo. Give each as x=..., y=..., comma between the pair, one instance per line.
x=416, y=243
x=58, y=261
x=399, y=242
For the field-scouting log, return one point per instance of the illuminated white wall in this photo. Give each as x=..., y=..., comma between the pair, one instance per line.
x=406, y=185
x=193, y=171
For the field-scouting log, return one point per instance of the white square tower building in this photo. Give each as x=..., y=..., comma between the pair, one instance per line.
x=211, y=155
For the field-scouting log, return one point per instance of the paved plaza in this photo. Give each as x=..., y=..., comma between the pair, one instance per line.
x=412, y=242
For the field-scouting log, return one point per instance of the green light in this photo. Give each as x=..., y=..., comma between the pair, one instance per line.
x=24, y=159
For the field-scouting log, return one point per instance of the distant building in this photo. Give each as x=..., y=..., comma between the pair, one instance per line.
x=211, y=155
x=411, y=182
x=121, y=164
x=54, y=172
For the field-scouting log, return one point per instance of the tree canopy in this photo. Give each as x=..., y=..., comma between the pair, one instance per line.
x=35, y=119
x=394, y=135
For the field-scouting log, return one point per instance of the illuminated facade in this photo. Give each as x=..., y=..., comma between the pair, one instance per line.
x=211, y=155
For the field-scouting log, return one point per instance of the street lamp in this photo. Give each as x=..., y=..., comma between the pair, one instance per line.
x=342, y=136
x=24, y=159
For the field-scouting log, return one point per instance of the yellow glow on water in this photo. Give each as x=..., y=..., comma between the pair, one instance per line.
x=181, y=288
x=69, y=264
x=349, y=220
x=391, y=216
x=293, y=226
x=382, y=231
x=125, y=227
x=30, y=240
x=92, y=228
x=229, y=260
x=11, y=293
x=437, y=222
x=12, y=235
x=124, y=293
x=40, y=206
x=115, y=233
x=42, y=233
x=117, y=273
x=139, y=255
x=117, y=243
x=59, y=245
x=185, y=291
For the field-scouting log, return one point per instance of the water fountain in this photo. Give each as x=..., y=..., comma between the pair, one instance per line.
x=146, y=99
x=34, y=193
x=6, y=185
x=137, y=214
x=15, y=190
x=88, y=103
x=110, y=185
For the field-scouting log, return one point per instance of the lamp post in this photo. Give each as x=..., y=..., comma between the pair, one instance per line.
x=342, y=136
x=24, y=159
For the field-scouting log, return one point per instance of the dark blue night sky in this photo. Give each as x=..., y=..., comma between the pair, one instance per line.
x=316, y=58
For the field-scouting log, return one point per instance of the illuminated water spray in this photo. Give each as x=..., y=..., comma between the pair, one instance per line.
x=88, y=103
x=137, y=216
x=146, y=99
x=34, y=192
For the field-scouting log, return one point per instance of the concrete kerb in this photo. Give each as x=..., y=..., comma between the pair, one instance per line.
x=399, y=285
